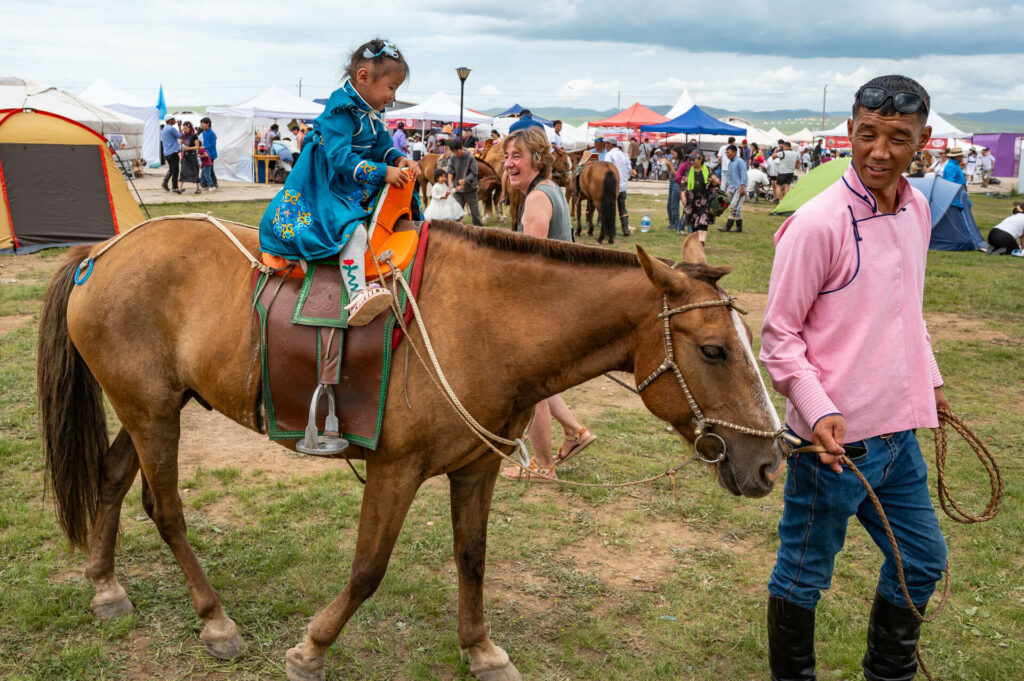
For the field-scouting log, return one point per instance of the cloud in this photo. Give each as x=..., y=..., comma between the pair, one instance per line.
x=489, y=90
x=583, y=87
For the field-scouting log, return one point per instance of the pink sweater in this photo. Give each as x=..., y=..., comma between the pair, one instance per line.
x=843, y=329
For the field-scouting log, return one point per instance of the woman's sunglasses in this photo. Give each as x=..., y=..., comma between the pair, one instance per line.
x=387, y=47
x=903, y=101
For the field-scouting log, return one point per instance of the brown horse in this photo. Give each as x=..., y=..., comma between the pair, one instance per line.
x=428, y=163
x=183, y=333
x=597, y=183
x=489, y=190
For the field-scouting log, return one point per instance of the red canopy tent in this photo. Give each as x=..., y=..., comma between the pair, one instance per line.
x=633, y=117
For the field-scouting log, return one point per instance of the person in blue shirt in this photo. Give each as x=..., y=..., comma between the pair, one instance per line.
x=209, y=138
x=525, y=121
x=737, y=188
x=170, y=139
x=328, y=197
x=953, y=172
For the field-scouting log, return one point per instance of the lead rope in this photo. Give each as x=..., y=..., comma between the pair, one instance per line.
x=945, y=500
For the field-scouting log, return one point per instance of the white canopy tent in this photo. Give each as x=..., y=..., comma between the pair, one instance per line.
x=682, y=105
x=122, y=131
x=103, y=93
x=774, y=135
x=805, y=135
x=941, y=128
x=442, y=109
x=236, y=126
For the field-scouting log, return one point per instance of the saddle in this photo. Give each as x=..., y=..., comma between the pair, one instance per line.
x=307, y=348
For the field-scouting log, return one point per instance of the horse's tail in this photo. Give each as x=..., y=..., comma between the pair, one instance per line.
x=609, y=193
x=71, y=411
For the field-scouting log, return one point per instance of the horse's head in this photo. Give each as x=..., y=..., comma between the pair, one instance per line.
x=562, y=168
x=695, y=369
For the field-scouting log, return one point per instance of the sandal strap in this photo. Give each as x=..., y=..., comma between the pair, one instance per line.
x=578, y=437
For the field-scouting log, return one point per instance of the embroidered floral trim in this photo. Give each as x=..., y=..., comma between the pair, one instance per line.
x=292, y=216
x=369, y=172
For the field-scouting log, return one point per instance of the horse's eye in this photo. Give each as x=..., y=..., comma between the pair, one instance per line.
x=712, y=353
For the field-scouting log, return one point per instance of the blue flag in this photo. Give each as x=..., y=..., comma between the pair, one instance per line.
x=161, y=105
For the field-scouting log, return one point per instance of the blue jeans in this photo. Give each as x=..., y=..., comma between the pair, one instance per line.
x=818, y=504
x=675, y=192
x=206, y=176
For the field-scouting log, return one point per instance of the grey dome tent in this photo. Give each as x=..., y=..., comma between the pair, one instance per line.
x=953, y=228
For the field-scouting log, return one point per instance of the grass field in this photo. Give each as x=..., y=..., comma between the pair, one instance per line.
x=581, y=584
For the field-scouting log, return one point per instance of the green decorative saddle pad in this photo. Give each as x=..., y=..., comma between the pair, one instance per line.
x=303, y=331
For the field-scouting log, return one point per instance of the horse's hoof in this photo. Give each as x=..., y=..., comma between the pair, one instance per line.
x=299, y=669
x=506, y=673
x=225, y=650
x=494, y=665
x=111, y=609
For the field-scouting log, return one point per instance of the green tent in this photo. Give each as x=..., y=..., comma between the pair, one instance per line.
x=812, y=184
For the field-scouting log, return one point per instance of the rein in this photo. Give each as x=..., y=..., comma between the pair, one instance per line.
x=704, y=424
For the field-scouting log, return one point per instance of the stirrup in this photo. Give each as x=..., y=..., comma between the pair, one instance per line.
x=313, y=444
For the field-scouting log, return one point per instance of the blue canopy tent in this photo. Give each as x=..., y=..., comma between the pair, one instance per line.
x=515, y=110
x=695, y=121
x=953, y=228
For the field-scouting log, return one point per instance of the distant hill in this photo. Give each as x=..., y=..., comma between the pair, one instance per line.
x=791, y=120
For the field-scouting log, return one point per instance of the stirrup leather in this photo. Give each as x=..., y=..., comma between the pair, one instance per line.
x=313, y=444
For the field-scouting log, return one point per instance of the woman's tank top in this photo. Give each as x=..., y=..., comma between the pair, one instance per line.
x=560, y=227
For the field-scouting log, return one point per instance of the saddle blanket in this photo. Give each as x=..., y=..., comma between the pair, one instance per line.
x=303, y=330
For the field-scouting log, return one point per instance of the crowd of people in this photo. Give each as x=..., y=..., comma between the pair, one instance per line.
x=189, y=155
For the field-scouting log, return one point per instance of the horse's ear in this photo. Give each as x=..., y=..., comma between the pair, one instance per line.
x=660, y=274
x=693, y=250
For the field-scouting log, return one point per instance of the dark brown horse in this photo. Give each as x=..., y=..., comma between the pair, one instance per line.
x=183, y=333
x=598, y=184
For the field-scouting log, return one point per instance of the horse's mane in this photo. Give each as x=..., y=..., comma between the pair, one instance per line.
x=564, y=251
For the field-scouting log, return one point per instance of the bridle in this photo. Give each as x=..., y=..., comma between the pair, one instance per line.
x=704, y=424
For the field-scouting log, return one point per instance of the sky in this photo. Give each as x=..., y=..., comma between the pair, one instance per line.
x=745, y=54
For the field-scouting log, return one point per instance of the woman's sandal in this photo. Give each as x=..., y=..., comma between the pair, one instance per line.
x=578, y=444
x=534, y=474
x=367, y=304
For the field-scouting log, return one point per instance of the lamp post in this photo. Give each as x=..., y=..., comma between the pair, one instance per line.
x=824, y=94
x=463, y=72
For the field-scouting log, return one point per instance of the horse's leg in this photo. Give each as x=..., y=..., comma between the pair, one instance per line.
x=156, y=441
x=387, y=496
x=590, y=218
x=471, y=491
x=117, y=472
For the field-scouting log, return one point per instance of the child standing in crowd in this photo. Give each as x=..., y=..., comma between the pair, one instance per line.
x=348, y=155
x=442, y=205
x=205, y=169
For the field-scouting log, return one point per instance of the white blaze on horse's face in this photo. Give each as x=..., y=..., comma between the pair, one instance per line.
x=765, y=400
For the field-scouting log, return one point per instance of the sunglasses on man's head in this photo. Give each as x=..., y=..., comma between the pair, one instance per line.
x=387, y=47
x=903, y=101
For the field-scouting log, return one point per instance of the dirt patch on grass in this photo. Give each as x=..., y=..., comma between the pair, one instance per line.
x=946, y=326
x=67, y=575
x=28, y=269
x=13, y=323
x=645, y=566
x=211, y=440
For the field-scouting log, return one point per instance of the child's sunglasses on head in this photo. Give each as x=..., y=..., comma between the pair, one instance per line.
x=387, y=47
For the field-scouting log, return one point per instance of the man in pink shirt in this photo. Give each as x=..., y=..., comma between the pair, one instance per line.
x=845, y=341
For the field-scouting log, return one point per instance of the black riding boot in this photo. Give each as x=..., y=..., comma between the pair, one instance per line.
x=739, y=225
x=625, y=226
x=790, y=641
x=728, y=226
x=892, y=642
